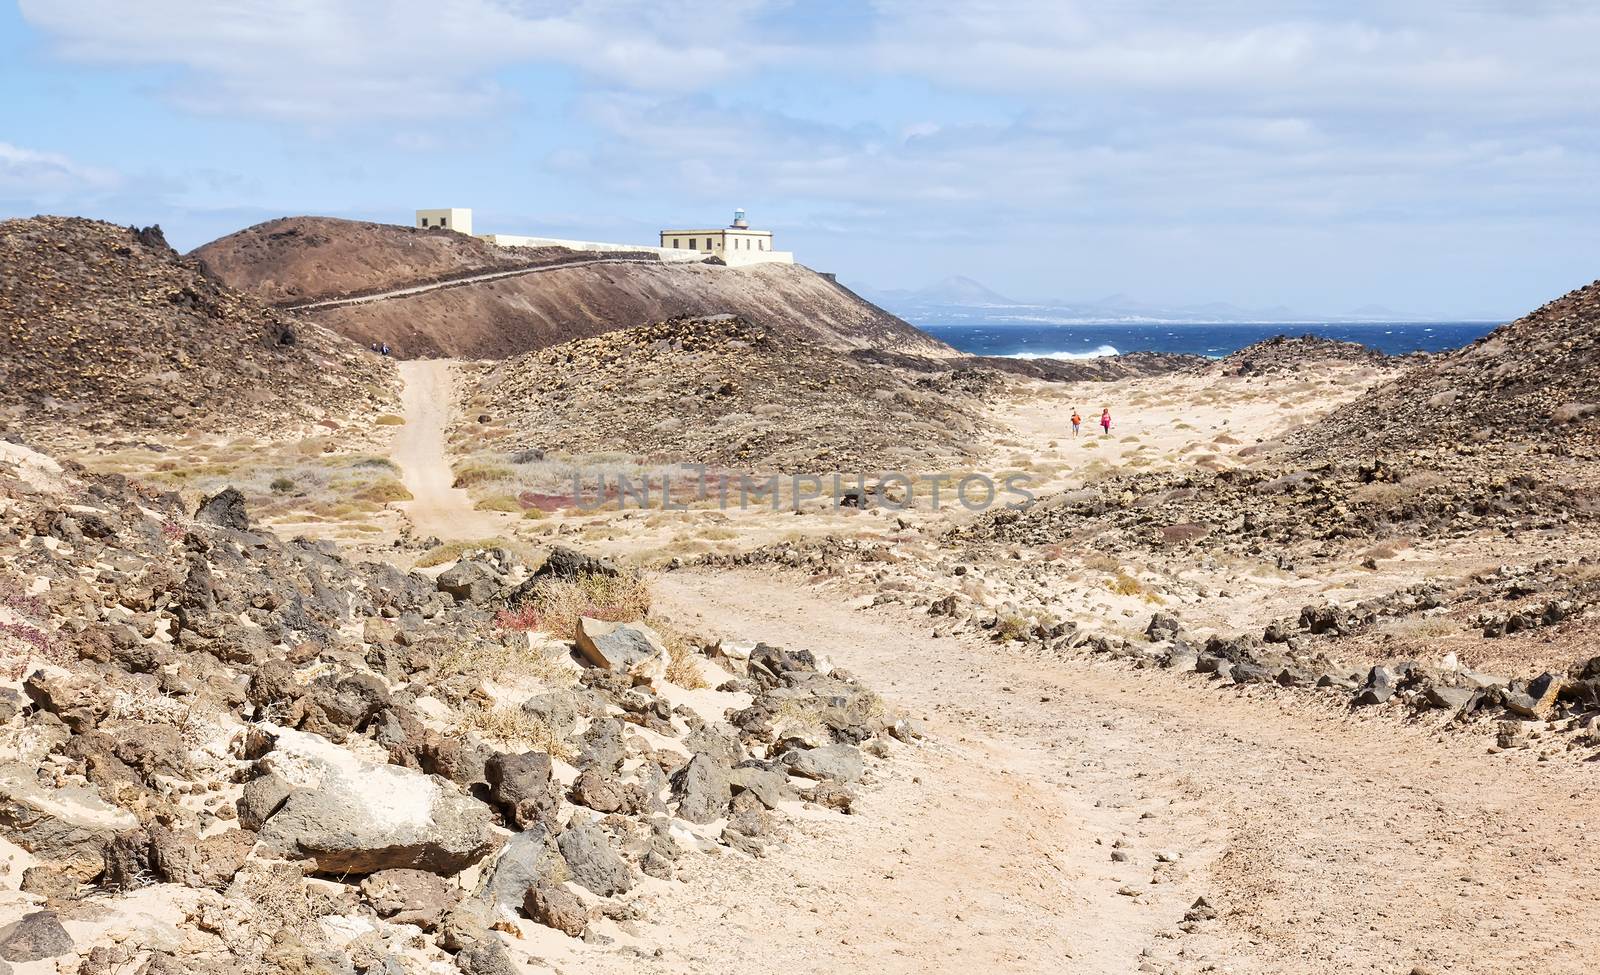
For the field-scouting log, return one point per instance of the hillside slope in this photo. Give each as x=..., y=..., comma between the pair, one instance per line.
x=107, y=327
x=727, y=393
x=297, y=259
x=1534, y=383
x=302, y=258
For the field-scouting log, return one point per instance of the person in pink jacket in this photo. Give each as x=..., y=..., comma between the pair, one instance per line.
x=1105, y=420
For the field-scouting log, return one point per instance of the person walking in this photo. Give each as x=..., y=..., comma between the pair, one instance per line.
x=1077, y=421
x=1105, y=421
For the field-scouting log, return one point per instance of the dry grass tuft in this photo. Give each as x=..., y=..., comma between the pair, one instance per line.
x=555, y=606
x=451, y=551
x=1011, y=628
x=501, y=502
x=683, y=669
x=514, y=660
x=516, y=728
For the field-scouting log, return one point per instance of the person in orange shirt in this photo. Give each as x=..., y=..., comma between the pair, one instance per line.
x=1076, y=422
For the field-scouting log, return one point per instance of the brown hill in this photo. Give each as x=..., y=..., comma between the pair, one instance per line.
x=108, y=327
x=728, y=393
x=304, y=258
x=1534, y=383
x=297, y=259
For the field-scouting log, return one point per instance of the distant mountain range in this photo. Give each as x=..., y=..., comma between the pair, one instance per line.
x=956, y=298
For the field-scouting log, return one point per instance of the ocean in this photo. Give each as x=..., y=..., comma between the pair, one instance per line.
x=1084, y=341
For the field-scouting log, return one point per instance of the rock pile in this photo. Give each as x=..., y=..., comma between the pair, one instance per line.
x=725, y=392
x=107, y=328
x=1282, y=353
x=331, y=766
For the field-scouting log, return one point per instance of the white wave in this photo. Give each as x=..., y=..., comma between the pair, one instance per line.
x=1101, y=352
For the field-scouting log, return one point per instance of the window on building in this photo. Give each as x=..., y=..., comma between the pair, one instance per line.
x=763, y=245
x=677, y=242
x=424, y=221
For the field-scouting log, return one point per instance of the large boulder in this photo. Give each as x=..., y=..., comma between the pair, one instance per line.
x=69, y=828
x=34, y=937
x=225, y=509
x=410, y=896
x=770, y=788
x=569, y=563
x=470, y=581
x=836, y=763
x=1163, y=627
x=182, y=857
x=625, y=648
x=703, y=789
x=1539, y=700
x=556, y=907
x=520, y=785
x=592, y=862
x=527, y=860
x=358, y=817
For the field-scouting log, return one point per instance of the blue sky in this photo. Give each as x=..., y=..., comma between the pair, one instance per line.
x=1434, y=157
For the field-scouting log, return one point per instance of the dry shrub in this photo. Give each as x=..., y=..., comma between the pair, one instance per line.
x=555, y=606
x=801, y=718
x=1010, y=628
x=384, y=491
x=684, y=670
x=682, y=667
x=1423, y=628
x=514, y=660
x=1126, y=585
x=390, y=420
x=1384, y=497
x=514, y=727
x=501, y=502
x=470, y=474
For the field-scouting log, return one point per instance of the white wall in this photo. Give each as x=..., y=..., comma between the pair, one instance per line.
x=666, y=254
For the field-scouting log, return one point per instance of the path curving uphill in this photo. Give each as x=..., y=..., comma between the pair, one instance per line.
x=419, y=289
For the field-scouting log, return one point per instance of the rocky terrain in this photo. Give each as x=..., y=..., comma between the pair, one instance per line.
x=1289, y=671
x=1527, y=388
x=1293, y=354
x=108, y=329
x=225, y=751
x=301, y=258
x=730, y=393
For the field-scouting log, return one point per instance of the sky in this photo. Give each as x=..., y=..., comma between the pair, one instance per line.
x=1433, y=157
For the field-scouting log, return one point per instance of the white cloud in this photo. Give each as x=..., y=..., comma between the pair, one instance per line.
x=49, y=174
x=328, y=61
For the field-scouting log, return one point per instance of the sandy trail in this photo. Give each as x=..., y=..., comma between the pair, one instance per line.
x=1329, y=842
x=437, y=507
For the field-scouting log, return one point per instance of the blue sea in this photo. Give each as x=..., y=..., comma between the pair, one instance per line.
x=1083, y=341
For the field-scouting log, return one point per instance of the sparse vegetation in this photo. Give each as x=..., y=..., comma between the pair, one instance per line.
x=555, y=606
x=512, y=726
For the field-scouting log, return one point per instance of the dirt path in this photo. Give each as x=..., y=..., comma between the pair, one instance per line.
x=437, y=508
x=1329, y=842
x=460, y=282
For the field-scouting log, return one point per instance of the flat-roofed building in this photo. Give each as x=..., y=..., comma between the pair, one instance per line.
x=735, y=244
x=458, y=219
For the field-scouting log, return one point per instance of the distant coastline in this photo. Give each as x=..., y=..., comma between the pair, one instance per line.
x=1023, y=339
